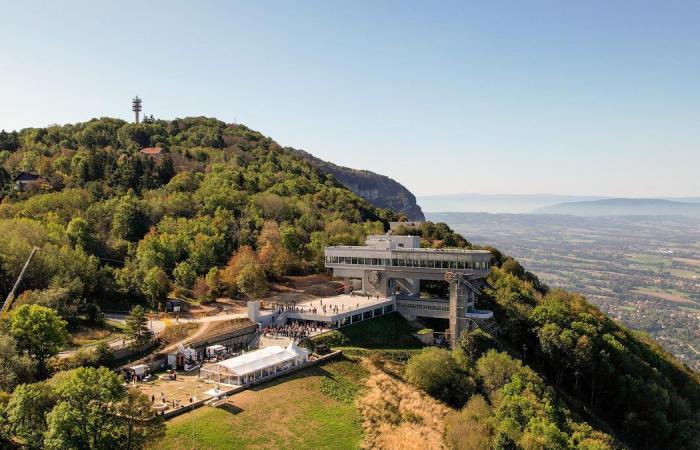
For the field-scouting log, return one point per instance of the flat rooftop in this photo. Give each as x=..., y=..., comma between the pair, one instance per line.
x=412, y=250
x=344, y=302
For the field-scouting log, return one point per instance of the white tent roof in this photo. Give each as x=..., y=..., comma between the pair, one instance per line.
x=216, y=347
x=139, y=368
x=261, y=359
x=294, y=348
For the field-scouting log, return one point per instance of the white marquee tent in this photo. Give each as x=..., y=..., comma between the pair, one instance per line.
x=255, y=365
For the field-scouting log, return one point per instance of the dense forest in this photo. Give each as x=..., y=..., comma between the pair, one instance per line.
x=112, y=223
x=223, y=210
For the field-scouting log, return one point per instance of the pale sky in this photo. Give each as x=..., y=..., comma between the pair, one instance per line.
x=581, y=98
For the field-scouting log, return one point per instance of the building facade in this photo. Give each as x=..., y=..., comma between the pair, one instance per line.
x=392, y=267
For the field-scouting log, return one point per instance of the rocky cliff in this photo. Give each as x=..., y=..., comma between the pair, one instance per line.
x=379, y=190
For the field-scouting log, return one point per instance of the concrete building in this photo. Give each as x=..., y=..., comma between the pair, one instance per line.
x=384, y=276
x=392, y=268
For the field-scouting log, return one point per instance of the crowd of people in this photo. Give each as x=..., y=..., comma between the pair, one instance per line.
x=294, y=330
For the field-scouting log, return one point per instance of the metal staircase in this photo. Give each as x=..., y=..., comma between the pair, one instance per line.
x=490, y=326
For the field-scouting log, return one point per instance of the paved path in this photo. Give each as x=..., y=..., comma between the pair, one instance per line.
x=157, y=326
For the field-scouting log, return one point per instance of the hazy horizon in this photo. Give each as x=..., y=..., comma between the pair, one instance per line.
x=513, y=203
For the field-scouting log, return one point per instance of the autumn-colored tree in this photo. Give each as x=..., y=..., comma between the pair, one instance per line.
x=244, y=273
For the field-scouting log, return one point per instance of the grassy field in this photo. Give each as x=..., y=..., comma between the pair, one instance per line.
x=670, y=295
x=90, y=335
x=311, y=409
x=389, y=332
x=687, y=274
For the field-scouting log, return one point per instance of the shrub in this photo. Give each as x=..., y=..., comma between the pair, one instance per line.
x=437, y=373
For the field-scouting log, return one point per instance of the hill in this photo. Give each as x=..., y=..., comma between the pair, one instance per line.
x=379, y=190
x=128, y=213
x=624, y=207
x=114, y=222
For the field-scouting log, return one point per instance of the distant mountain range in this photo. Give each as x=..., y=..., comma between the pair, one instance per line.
x=624, y=207
x=552, y=204
x=495, y=203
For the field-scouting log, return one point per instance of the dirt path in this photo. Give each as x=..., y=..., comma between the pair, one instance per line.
x=204, y=326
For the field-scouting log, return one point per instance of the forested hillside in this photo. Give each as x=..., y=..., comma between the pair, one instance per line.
x=222, y=210
x=113, y=223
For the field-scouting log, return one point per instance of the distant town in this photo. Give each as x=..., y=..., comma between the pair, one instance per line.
x=643, y=271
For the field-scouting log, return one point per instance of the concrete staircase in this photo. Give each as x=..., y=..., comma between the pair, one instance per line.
x=282, y=319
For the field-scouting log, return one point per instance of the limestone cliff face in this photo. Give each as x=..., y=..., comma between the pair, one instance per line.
x=379, y=190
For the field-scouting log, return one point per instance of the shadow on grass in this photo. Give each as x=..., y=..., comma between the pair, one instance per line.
x=388, y=332
x=231, y=409
x=303, y=373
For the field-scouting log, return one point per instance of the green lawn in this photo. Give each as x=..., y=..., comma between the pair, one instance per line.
x=389, y=332
x=389, y=335
x=311, y=409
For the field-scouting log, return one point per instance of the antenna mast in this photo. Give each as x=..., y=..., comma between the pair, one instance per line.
x=136, y=107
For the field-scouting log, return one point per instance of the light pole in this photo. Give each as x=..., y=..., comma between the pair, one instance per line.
x=193, y=418
x=195, y=399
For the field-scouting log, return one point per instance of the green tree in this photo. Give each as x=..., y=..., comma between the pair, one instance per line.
x=471, y=429
x=137, y=420
x=80, y=233
x=155, y=285
x=5, y=428
x=103, y=354
x=130, y=220
x=94, y=411
x=26, y=412
x=252, y=280
x=185, y=275
x=14, y=367
x=495, y=370
x=471, y=345
x=137, y=326
x=39, y=332
x=61, y=300
x=437, y=373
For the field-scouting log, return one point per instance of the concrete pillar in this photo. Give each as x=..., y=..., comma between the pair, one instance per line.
x=457, y=313
x=366, y=286
x=348, y=287
x=254, y=311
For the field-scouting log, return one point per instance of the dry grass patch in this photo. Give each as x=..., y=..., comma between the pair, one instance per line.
x=397, y=415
